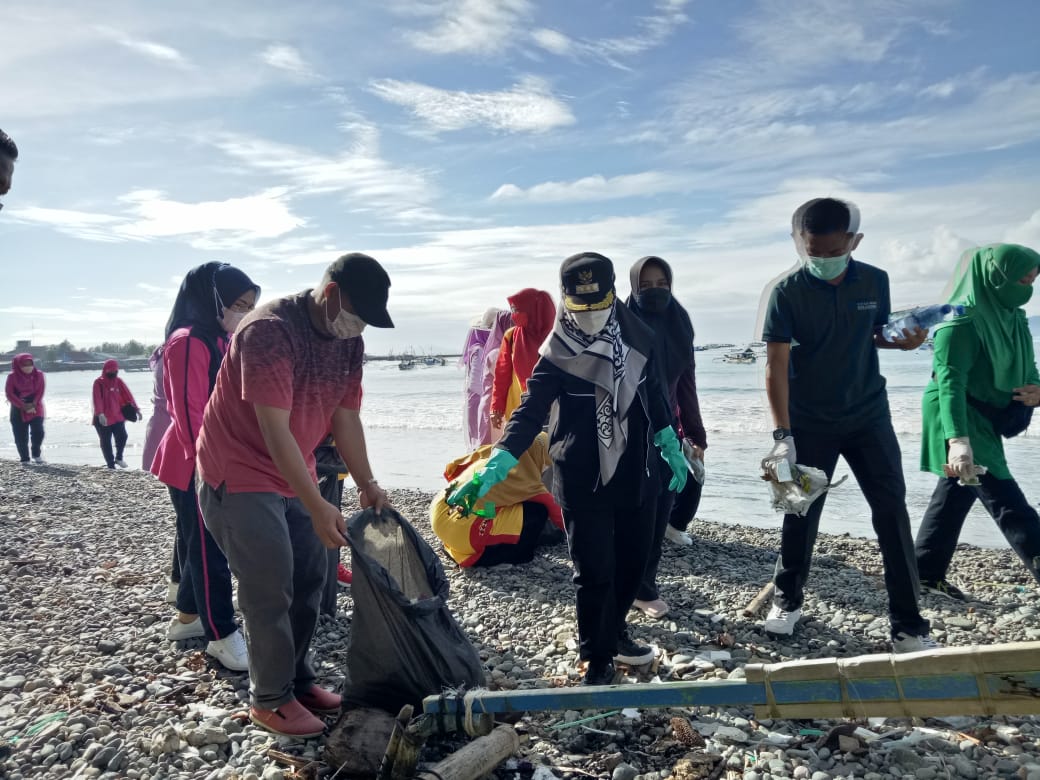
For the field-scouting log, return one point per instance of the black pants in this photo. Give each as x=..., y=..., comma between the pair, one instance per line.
x=873, y=455
x=648, y=585
x=205, y=583
x=685, y=505
x=106, y=433
x=949, y=507
x=609, y=543
x=22, y=431
x=535, y=518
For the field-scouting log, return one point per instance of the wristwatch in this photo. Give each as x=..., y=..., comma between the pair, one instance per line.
x=781, y=433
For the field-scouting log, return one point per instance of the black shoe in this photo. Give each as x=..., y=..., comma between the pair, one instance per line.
x=943, y=588
x=631, y=652
x=599, y=673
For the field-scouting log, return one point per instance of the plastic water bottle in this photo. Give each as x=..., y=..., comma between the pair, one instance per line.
x=924, y=318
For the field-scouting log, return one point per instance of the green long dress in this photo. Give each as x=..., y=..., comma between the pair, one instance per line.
x=986, y=354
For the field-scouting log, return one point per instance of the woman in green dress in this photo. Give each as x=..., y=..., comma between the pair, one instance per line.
x=984, y=385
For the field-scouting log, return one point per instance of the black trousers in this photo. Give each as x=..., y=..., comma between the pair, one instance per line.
x=648, y=584
x=873, y=454
x=535, y=518
x=205, y=583
x=609, y=542
x=948, y=509
x=106, y=433
x=22, y=431
x=685, y=505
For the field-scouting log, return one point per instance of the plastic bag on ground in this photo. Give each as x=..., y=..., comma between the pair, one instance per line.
x=794, y=496
x=404, y=642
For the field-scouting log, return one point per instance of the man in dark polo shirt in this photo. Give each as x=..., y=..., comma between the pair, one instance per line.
x=826, y=393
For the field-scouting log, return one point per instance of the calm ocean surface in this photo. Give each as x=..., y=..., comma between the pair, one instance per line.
x=412, y=420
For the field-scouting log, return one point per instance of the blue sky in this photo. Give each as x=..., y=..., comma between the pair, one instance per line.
x=471, y=145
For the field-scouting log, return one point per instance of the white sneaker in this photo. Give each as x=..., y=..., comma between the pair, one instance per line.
x=122, y=464
x=178, y=631
x=780, y=621
x=908, y=643
x=231, y=651
x=39, y=460
x=677, y=536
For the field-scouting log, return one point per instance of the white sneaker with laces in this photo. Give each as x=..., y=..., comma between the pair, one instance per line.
x=908, y=643
x=122, y=464
x=179, y=631
x=39, y=460
x=230, y=651
x=780, y=621
x=677, y=536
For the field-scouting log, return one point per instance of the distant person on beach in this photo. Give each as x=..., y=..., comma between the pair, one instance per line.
x=212, y=301
x=8, y=157
x=524, y=516
x=652, y=302
x=112, y=399
x=25, y=386
x=533, y=313
x=984, y=387
x=292, y=374
x=826, y=393
x=475, y=424
x=490, y=432
x=609, y=411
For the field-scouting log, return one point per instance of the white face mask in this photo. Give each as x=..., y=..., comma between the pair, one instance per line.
x=346, y=325
x=590, y=322
x=231, y=320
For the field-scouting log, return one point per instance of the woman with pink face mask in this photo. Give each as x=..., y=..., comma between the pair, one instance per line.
x=25, y=385
x=212, y=302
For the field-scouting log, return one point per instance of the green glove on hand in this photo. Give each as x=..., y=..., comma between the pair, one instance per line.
x=496, y=470
x=668, y=443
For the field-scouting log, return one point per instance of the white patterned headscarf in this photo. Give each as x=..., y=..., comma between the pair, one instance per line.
x=612, y=367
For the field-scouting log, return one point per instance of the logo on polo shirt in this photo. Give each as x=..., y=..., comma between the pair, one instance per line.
x=866, y=305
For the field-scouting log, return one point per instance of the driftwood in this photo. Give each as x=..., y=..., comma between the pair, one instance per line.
x=357, y=742
x=755, y=605
x=479, y=757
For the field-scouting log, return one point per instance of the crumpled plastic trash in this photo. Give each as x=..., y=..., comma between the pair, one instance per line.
x=693, y=464
x=794, y=488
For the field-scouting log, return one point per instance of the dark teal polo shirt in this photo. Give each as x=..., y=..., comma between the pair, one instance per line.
x=835, y=380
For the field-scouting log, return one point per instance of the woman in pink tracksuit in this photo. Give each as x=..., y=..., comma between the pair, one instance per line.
x=110, y=395
x=25, y=385
x=212, y=301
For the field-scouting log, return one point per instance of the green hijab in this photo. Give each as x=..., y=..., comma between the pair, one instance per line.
x=986, y=284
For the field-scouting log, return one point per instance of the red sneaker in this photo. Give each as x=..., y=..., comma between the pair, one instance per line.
x=320, y=701
x=289, y=720
x=344, y=576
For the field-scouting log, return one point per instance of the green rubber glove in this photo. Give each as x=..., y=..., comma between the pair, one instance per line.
x=495, y=471
x=668, y=443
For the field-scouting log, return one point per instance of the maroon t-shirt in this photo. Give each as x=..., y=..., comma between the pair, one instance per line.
x=277, y=358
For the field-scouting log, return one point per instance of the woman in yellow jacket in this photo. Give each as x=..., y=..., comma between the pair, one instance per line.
x=523, y=508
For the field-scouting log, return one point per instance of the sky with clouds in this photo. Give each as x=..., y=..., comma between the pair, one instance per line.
x=471, y=145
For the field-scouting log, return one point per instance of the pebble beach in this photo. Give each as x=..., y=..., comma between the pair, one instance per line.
x=89, y=686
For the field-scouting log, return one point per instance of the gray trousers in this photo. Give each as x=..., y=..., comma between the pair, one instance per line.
x=280, y=564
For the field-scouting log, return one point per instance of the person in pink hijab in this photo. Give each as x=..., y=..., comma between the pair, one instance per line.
x=25, y=385
x=111, y=396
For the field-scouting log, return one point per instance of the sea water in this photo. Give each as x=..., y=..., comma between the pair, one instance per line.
x=413, y=429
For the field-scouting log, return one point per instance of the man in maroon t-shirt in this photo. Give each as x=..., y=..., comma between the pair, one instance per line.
x=291, y=376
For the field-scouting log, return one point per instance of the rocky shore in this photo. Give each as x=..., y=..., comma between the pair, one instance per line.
x=89, y=686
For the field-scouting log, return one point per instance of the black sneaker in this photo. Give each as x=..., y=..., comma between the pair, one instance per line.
x=943, y=588
x=631, y=652
x=599, y=673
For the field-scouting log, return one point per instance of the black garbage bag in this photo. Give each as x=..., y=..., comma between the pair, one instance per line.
x=404, y=643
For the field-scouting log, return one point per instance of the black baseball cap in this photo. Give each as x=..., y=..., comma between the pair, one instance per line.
x=587, y=280
x=367, y=284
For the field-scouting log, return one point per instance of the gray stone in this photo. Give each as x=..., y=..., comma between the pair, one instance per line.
x=906, y=758
x=624, y=772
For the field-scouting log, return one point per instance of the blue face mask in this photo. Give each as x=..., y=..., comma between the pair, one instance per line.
x=827, y=268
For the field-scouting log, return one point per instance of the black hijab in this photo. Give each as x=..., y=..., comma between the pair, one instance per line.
x=673, y=331
x=205, y=292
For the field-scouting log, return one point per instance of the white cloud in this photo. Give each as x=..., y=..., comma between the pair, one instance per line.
x=596, y=188
x=529, y=106
x=155, y=51
x=553, y=41
x=287, y=58
x=470, y=26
